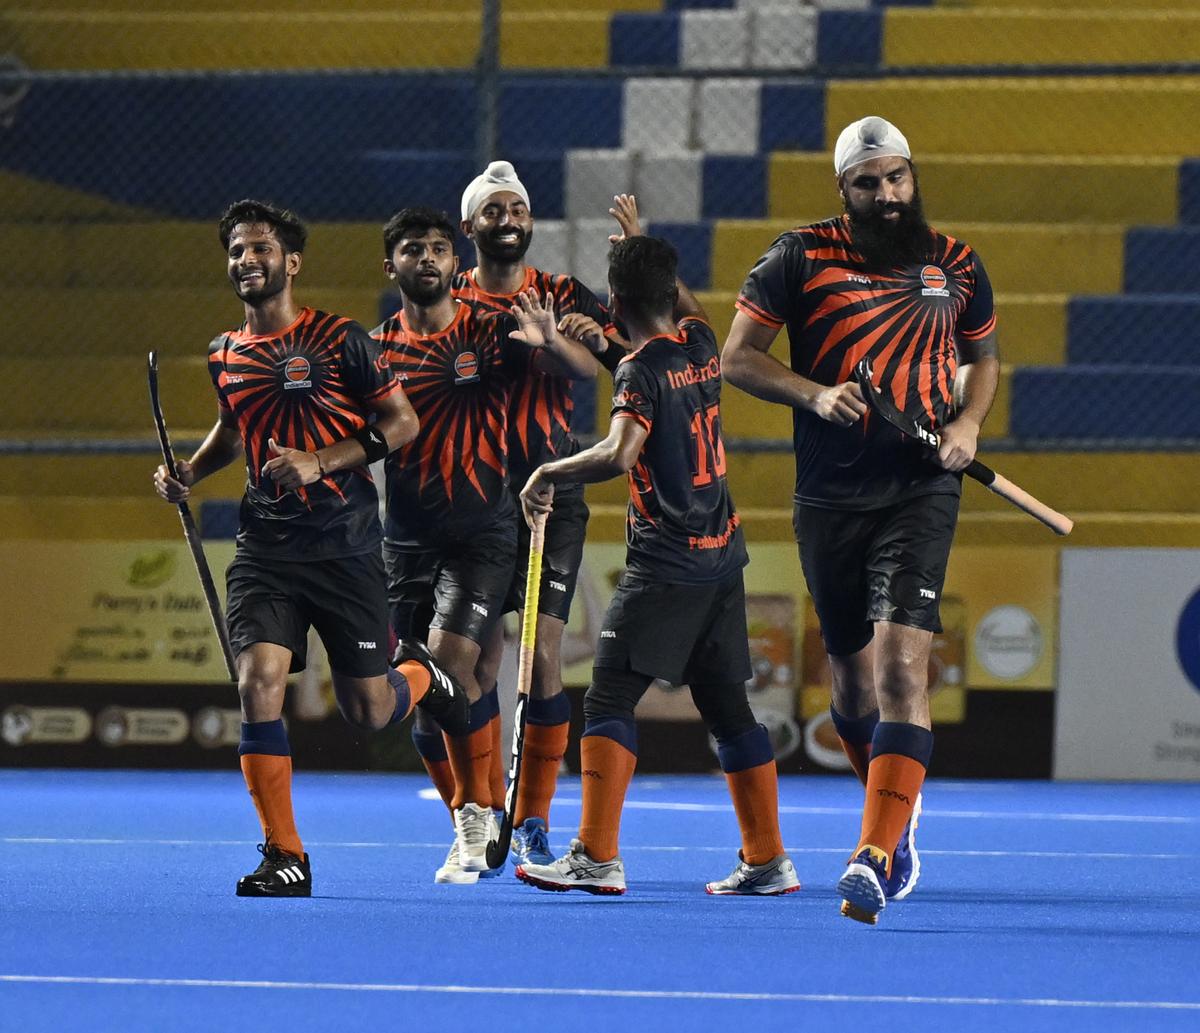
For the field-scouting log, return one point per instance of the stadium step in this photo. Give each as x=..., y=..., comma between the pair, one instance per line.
x=999, y=188
x=1020, y=259
x=1085, y=115
x=111, y=40
x=993, y=38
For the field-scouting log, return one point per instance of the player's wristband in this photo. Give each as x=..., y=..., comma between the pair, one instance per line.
x=373, y=442
x=611, y=357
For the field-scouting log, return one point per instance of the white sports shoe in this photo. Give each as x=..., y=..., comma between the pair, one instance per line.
x=451, y=872
x=474, y=826
x=575, y=870
x=776, y=876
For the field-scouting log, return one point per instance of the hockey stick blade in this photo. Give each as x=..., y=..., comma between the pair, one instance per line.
x=985, y=475
x=497, y=849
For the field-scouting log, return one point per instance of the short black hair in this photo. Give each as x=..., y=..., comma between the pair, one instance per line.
x=290, y=231
x=641, y=270
x=415, y=222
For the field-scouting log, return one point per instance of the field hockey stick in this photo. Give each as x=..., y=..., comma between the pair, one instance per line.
x=497, y=849
x=985, y=475
x=190, y=531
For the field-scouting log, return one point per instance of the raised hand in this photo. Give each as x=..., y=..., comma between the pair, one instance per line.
x=625, y=211
x=536, y=325
x=291, y=468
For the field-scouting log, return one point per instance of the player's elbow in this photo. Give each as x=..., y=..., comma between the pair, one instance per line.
x=405, y=430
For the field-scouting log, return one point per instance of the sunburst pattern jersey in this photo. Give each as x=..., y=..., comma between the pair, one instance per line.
x=539, y=416
x=452, y=479
x=306, y=387
x=906, y=320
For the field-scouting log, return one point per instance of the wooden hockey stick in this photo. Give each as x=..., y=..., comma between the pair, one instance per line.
x=190, y=532
x=985, y=475
x=497, y=849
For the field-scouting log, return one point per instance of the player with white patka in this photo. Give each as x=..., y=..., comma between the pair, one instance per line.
x=874, y=511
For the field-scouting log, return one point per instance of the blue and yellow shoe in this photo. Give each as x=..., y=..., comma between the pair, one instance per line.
x=861, y=886
x=906, y=863
x=530, y=843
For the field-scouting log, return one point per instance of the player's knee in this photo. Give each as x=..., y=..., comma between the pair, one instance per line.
x=903, y=679
x=261, y=693
x=613, y=694
x=724, y=709
x=363, y=711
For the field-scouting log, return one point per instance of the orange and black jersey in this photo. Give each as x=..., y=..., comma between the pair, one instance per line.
x=539, y=416
x=308, y=386
x=906, y=320
x=682, y=526
x=452, y=479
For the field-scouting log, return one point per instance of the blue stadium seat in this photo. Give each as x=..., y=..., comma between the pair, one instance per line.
x=1127, y=404
x=1163, y=260
x=1149, y=329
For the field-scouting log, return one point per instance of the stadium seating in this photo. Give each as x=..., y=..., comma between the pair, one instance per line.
x=1076, y=180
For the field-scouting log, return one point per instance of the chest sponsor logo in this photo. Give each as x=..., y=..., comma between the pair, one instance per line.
x=234, y=378
x=466, y=367
x=933, y=282
x=296, y=373
x=856, y=278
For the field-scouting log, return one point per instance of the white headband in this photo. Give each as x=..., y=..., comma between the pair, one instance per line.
x=498, y=176
x=870, y=137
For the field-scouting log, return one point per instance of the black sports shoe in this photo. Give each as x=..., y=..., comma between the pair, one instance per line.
x=280, y=875
x=446, y=701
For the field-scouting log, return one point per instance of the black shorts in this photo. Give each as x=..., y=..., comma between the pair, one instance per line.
x=566, y=529
x=681, y=633
x=344, y=598
x=457, y=587
x=878, y=565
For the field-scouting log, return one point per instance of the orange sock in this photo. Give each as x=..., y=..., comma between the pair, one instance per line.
x=418, y=682
x=545, y=747
x=496, y=770
x=269, y=779
x=608, y=765
x=471, y=757
x=432, y=749
x=859, y=755
x=755, y=794
x=893, y=782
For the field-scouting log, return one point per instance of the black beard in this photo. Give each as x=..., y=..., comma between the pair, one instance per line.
x=420, y=293
x=274, y=280
x=886, y=244
x=489, y=246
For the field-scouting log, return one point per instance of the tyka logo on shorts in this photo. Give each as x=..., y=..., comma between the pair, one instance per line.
x=366, y=645
x=466, y=367
x=296, y=373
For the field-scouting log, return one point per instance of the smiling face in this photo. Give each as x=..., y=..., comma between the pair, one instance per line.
x=423, y=266
x=259, y=267
x=502, y=227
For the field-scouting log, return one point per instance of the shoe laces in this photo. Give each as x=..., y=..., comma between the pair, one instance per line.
x=536, y=840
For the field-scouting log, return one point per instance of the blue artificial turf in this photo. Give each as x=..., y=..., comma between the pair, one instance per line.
x=1041, y=907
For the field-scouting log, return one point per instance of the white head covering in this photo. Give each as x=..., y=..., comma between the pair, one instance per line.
x=498, y=176
x=870, y=137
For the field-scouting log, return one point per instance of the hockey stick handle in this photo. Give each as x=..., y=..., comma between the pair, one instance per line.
x=497, y=849
x=191, y=533
x=1059, y=523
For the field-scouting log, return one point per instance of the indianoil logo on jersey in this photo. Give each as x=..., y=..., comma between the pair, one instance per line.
x=466, y=367
x=296, y=373
x=934, y=282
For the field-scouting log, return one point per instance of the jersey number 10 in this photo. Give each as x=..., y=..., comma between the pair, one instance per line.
x=708, y=444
